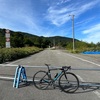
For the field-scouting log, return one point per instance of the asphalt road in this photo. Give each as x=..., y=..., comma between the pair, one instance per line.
x=55, y=58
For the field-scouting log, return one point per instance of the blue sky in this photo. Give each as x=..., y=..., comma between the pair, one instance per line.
x=51, y=17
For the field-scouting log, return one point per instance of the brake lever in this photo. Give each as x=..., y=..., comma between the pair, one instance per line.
x=67, y=67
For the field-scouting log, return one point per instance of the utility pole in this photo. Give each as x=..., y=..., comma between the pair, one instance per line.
x=73, y=31
x=54, y=43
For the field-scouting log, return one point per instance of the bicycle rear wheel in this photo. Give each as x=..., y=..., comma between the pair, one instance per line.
x=68, y=82
x=41, y=80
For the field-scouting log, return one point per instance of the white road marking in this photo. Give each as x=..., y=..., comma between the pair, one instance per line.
x=10, y=78
x=83, y=59
x=27, y=66
x=95, y=92
x=7, y=65
x=81, y=78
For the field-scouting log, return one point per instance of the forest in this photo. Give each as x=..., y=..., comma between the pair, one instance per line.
x=22, y=39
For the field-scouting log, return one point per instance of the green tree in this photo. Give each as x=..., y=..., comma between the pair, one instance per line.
x=98, y=44
x=28, y=41
x=2, y=38
x=17, y=40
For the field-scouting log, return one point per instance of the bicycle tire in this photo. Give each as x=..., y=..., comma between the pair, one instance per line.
x=41, y=80
x=68, y=82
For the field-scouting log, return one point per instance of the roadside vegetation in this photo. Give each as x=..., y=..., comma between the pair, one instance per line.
x=9, y=54
x=82, y=47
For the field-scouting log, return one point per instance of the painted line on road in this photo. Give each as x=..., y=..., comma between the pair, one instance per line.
x=51, y=67
x=81, y=78
x=11, y=78
x=95, y=92
x=27, y=66
x=83, y=60
x=7, y=65
x=8, y=78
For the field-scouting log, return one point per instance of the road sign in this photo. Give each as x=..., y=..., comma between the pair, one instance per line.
x=7, y=39
x=7, y=31
x=7, y=36
x=7, y=44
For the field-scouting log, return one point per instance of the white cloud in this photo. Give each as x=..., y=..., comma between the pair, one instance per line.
x=62, y=1
x=93, y=34
x=59, y=15
x=93, y=29
x=83, y=22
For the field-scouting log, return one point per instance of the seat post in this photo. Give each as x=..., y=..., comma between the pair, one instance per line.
x=48, y=67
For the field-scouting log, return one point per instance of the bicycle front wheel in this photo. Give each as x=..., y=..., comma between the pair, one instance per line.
x=68, y=82
x=41, y=80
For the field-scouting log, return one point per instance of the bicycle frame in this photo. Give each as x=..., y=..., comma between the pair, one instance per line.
x=67, y=81
x=59, y=74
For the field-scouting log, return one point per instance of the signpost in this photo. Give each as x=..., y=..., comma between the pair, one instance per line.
x=7, y=35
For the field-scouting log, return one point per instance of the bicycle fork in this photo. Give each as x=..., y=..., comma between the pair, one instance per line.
x=66, y=77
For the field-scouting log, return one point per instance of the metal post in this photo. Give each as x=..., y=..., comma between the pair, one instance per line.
x=73, y=31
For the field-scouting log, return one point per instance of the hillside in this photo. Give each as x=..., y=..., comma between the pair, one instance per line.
x=21, y=39
x=60, y=41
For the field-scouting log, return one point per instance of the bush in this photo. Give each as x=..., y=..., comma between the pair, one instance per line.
x=9, y=54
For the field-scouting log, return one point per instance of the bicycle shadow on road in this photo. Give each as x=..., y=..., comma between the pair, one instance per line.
x=26, y=84
x=85, y=87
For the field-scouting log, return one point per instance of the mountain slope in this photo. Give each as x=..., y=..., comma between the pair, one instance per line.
x=21, y=39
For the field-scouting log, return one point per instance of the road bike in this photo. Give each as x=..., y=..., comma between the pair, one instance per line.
x=67, y=81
